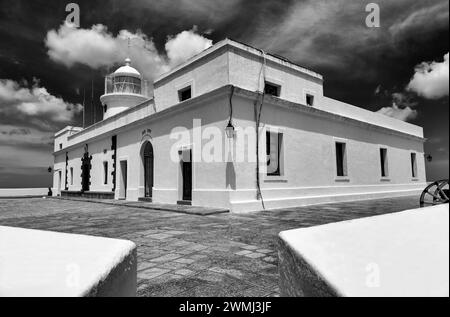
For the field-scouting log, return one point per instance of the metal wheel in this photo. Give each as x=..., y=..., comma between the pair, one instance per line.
x=435, y=194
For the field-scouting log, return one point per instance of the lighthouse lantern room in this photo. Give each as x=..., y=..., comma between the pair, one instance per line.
x=125, y=88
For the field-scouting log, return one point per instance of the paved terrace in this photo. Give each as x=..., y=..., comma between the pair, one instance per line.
x=189, y=255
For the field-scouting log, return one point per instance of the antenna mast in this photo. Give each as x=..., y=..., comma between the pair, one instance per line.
x=92, y=98
x=84, y=107
x=129, y=45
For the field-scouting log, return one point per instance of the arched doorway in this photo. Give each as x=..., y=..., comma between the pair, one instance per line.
x=147, y=159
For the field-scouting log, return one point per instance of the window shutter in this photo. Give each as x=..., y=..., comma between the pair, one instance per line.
x=273, y=157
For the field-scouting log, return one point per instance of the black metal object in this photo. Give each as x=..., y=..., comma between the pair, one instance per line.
x=89, y=195
x=148, y=170
x=66, y=182
x=435, y=194
x=187, y=178
x=86, y=170
x=114, y=158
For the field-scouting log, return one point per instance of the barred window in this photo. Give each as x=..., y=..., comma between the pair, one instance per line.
x=384, y=163
x=274, y=142
x=341, y=159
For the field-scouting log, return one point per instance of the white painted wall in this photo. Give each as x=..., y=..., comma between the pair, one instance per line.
x=23, y=192
x=75, y=162
x=403, y=254
x=236, y=65
x=205, y=76
x=310, y=163
x=101, y=152
x=166, y=172
x=349, y=111
x=59, y=167
x=50, y=264
x=117, y=103
x=245, y=71
x=309, y=160
x=232, y=63
x=61, y=137
x=107, y=126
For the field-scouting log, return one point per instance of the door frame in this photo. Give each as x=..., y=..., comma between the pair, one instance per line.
x=59, y=183
x=144, y=168
x=123, y=180
x=183, y=151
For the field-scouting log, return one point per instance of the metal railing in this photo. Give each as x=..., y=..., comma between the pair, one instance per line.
x=126, y=85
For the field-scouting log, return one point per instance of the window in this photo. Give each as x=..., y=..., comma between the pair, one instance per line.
x=124, y=84
x=60, y=146
x=105, y=173
x=414, y=165
x=341, y=159
x=272, y=89
x=71, y=176
x=309, y=100
x=384, y=163
x=185, y=94
x=274, y=143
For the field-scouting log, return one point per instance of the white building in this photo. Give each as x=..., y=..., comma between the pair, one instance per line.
x=312, y=149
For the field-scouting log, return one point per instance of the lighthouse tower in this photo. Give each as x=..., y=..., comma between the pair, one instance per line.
x=125, y=88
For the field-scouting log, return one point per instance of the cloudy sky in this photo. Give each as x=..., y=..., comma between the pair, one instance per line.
x=47, y=68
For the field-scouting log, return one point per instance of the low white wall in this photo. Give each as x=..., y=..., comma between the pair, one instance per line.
x=401, y=254
x=37, y=263
x=245, y=200
x=23, y=192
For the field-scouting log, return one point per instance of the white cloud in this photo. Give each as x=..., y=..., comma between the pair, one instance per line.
x=185, y=45
x=402, y=107
x=431, y=79
x=97, y=47
x=404, y=114
x=94, y=47
x=34, y=101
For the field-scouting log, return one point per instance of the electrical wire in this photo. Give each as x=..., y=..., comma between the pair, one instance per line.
x=258, y=122
x=231, y=104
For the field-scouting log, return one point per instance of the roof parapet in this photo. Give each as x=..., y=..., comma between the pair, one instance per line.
x=243, y=47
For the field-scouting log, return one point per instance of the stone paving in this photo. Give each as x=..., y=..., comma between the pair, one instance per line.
x=188, y=255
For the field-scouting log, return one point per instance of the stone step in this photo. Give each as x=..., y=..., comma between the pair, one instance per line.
x=184, y=202
x=184, y=209
x=146, y=199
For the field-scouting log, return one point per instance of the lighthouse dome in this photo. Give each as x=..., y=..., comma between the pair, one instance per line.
x=127, y=70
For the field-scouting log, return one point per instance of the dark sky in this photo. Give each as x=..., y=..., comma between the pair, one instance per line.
x=368, y=67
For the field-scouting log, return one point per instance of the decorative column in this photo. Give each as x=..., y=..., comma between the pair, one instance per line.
x=114, y=158
x=86, y=170
x=66, y=187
